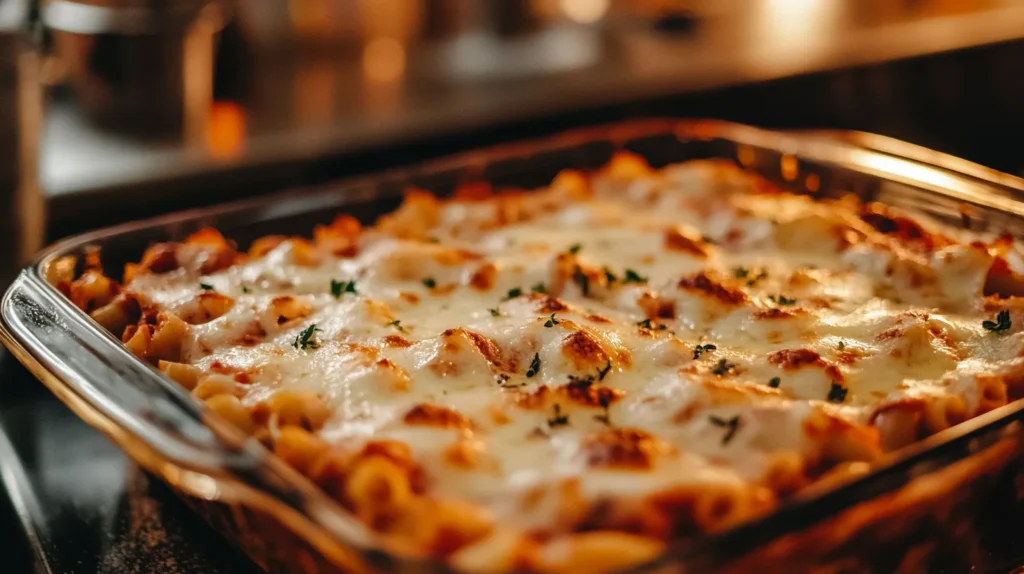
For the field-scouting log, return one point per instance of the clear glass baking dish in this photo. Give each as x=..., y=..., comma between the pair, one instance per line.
x=942, y=502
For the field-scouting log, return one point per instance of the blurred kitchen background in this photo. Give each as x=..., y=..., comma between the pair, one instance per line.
x=157, y=105
x=118, y=109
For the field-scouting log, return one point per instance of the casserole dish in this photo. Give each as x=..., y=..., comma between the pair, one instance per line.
x=923, y=507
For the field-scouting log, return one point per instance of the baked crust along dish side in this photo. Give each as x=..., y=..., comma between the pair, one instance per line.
x=562, y=380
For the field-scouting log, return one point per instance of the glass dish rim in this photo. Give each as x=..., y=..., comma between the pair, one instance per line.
x=803, y=509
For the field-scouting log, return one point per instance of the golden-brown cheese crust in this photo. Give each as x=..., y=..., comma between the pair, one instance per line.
x=633, y=353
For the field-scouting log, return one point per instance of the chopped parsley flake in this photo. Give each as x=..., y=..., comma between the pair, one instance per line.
x=1001, y=323
x=775, y=382
x=513, y=293
x=605, y=416
x=611, y=277
x=495, y=312
x=701, y=349
x=837, y=393
x=723, y=368
x=601, y=373
x=246, y=289
x=429, y=283
x=307, y=338
x=503, y=378
x=732, y=425
x=534, y=365
x=396, y=324
x=842, y=345
x=582, y=381
x=206, y=287
x=559, y=419
x=539, y=288
x=753, y=280
x=646, y=324
x=551, y=322
x=740, y=272
x=634, y=277
x=782, y=300
x=339, y=288
x=580, y=278
x=575, y=248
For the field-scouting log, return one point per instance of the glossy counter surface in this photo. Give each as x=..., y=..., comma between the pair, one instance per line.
x=74, y=503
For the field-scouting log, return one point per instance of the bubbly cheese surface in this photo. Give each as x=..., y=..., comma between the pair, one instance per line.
x=619, y=339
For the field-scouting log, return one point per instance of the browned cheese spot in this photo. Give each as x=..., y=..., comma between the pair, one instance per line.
x=622, y=448
x=793, y=359
x=584, y=350
x=676, y=240
x=436, y=416
x=714, y=289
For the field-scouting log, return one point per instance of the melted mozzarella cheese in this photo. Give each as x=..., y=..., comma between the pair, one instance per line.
x=725, y=353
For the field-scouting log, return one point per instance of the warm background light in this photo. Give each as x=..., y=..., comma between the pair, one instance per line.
x=225, y=131
x=315, y=92
x=383, y=60
x=585, y=11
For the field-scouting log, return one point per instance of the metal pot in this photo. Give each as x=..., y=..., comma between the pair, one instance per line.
x=139, y=65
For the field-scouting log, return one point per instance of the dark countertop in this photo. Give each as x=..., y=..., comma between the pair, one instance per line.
x=75, y=503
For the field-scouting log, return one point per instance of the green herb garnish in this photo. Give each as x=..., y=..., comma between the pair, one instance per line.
x=1001, y=323
x=552, y=321
x=740, y=272
x=646, y=324
x=701, y=349
x=503, y=378
x=429, y=283
x=339, y=288
x=837, y=393
x=775, y=382
x=396, y=324
x=634, y=277
x=559, y=419
x=583, y=382
x=609, y=276
x=206, y=287
x=534, y=365
x=732, y=424
x=513, y=293
x=723, y=368
x=575, y=248
x=782, y=300
x=307, y=338
x=605, y=416
x=539, y=288
x=246, y=289
x=761, y=275
x=580, y=278
x=495, y=312
x=601, y=373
